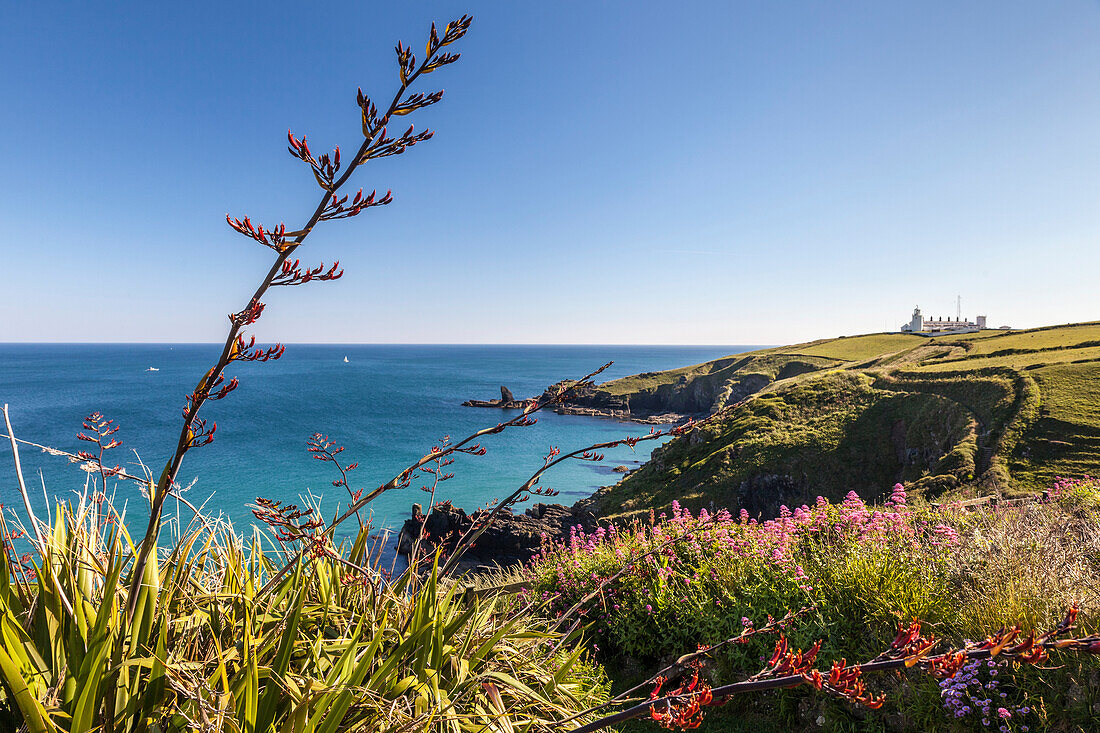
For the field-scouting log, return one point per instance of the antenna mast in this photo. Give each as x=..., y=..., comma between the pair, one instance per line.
x=958, y=308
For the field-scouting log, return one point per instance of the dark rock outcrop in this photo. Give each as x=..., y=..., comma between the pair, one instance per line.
x=762, y=494
x=589, y=401
x=510, y=539
x=507, y=401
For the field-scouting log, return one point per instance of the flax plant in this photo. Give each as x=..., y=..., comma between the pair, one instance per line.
x=327, y=650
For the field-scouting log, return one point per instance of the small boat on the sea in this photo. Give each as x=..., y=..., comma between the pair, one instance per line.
x=152, y=369
x=345, y=360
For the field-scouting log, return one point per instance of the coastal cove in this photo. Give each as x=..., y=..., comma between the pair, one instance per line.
x=388, y=404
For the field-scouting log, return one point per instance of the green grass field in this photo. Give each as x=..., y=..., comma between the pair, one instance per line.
x=826, y=435
x=702, y=387
x=764, y=362
x=1071, y=392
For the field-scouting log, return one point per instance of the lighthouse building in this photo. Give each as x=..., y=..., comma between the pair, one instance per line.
x=931, y=327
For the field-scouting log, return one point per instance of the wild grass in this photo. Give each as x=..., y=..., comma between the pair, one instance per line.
x=652, y=380
x=1065, y=439
x=1031, y=417
x=1004, y=404
x=1018, y=563
x=1071, y=392
x=709, y=386
x=1021, y=438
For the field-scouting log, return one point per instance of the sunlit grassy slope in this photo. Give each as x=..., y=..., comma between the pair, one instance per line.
x=1065, y=438
x=857, y=348
x=1016, y=360
x=989, y=412
x=703, y=387
x=1057, y=337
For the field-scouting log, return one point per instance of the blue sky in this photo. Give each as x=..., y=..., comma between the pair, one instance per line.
x=603, y=172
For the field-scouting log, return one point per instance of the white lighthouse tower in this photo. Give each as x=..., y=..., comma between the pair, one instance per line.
x=917, y=324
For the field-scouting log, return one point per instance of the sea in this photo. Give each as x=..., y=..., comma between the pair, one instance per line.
x=386, y=405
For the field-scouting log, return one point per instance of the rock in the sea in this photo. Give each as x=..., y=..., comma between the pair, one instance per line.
x=507, y=401
x=621, y=469
x=410, y=530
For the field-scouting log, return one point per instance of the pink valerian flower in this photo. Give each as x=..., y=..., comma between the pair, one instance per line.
x=898, y=497
x=681, y=549
x=1063, y=485
x=944, y=535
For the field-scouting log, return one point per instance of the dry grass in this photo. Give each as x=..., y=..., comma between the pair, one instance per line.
x=1026, y=564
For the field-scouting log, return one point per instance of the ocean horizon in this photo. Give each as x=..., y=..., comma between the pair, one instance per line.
x=388, y=404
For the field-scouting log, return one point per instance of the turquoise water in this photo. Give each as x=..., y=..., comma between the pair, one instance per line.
x=387, y=405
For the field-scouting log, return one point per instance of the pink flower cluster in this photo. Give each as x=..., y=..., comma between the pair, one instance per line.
x=685, y=559
x=1063, y=486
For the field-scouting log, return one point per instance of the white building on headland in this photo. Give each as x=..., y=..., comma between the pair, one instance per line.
x=934, y=327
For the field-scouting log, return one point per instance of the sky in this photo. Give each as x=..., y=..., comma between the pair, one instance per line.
x=603, y=172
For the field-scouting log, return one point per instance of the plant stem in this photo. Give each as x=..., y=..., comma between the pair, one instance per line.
x=171, y=469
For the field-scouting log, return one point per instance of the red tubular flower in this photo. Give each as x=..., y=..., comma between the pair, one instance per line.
x=683, y=706
x=907, y=635
x=780, y=650
x=245, y=351
x=221, y=393
x=273, y=238
x=293, y=274
x=947, y=665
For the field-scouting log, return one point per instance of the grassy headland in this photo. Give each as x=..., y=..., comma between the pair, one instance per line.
x=989, y=413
